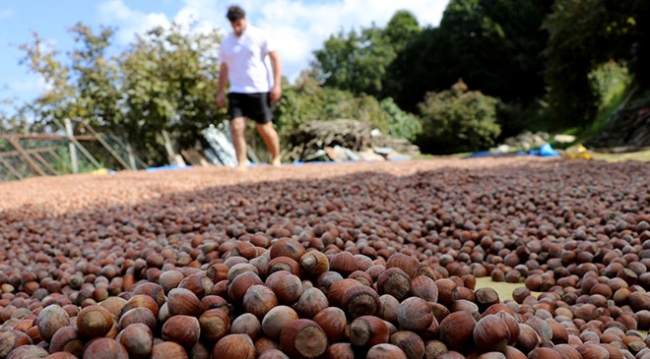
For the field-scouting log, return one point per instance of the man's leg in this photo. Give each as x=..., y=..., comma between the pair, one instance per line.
x=271, y=140
x=238, y=127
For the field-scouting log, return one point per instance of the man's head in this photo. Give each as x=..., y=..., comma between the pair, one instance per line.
x=237, y=17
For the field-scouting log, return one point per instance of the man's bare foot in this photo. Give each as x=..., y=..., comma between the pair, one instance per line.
x=242, y=168
x=276, y=162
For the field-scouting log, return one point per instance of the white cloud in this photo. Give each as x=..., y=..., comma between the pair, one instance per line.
x=7, y=13
x=303, y=27
x=32, y=84
x=130, y=22
x=299, y=27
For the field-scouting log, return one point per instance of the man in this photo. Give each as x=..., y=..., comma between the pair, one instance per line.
x=252, y=90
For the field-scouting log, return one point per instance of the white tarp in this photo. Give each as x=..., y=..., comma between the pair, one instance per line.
x=220, y=140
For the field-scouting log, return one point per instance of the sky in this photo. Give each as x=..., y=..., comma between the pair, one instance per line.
x=298, y=26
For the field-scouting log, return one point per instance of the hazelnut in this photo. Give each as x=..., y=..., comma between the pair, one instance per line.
x=276, y=319
x=234, y=346
x=303, y=339
x=215, y=324
x=105, y=348
x=182, y=329
x=94, y=321
x=137, y=338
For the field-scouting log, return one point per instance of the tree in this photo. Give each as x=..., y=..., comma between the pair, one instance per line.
x=458, y=120
x=493, y=44
x=165, y=81
x=401, y=28
x=308, y=101
x=169, y=82
x=584, y=34
x=356, y=62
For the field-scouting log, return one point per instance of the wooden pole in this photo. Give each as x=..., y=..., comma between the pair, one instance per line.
x=129, y=150
x=133, y=159
x=10, y=168
x=80, y=147
x=25, y=155
x=71, y=147
x=42, y=160
x=106, y=146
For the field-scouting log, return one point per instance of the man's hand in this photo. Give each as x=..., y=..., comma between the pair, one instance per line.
x=276, y=94
x=221, y=99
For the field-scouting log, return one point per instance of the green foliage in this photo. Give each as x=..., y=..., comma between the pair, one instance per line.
x=169, y=80
x=517, y=117
x=358, y=62
x=401, y=28
x=612, y=83
x=401, y=124
x=492, y=44
x=15, y=123
x=307, y=101
x=165, y=81
x=583, y=35
x=458, y=120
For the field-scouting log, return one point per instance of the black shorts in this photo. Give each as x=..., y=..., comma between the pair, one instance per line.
x=256, y=106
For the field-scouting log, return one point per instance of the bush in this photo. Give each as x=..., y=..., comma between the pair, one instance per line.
x=308, y=101
x=401, y=124
x=517, y=117
x=458, y=120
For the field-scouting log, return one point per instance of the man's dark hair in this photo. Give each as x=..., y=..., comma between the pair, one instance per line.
x=235, y=13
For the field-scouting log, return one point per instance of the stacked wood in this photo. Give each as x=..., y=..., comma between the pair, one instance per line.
x=316, y=135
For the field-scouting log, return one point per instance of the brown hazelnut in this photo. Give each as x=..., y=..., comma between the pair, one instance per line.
x=314, y=263
x=303, y=339
x=394, y=281
x=456, y=330
x=67, y=339
x=51, y=319
x=310, y=303
x=491, y=334
x=137, y=338
x=411, y=344
x=105, y=348
x=333, y=321
x=340, y=351
x=168, y=350
x=385, y=351
x=215, y=324
x=234, y=346
x=276, y=319
x=246, y=324
x=94, y=321
x=259, y=299
x=182, y=301
x=361, y=300
x=368, y=331
x=414, y=314
x=182, y=329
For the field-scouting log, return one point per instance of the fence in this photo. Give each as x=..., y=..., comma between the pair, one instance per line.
x=29, y=155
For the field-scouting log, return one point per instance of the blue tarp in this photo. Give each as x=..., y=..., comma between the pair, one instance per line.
x=166, y=168
x=545, y=151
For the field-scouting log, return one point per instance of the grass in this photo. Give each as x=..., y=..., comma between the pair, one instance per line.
x=504, y=289
x=641, y=156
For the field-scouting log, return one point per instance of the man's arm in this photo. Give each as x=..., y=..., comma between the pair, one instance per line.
x=223, y=79
x=276, y=64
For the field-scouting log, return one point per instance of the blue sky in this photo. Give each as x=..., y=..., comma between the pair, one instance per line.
x=299, y=26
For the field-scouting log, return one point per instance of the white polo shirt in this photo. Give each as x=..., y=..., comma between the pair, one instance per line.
x=249, y=69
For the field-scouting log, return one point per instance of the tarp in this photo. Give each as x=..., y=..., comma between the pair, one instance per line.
x=220, y=141
x=545, y=151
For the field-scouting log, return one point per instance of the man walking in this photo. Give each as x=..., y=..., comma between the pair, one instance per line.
x=253, y=87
